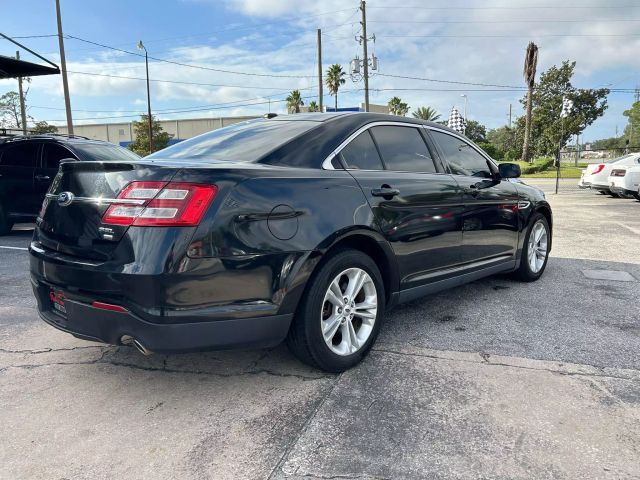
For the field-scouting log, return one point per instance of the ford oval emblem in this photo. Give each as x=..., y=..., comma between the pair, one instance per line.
x=65, y=199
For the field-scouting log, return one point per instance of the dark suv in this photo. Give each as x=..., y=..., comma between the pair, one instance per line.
x=29, y=163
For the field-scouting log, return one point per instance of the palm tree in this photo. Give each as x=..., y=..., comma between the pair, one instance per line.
x=426, y=113
x=335, y=78
x=294, y=101
x=313, y=106
x=529, y=73
x=398, y=107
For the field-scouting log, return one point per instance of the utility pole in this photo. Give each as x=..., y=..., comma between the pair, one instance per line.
x=146, y=62
x=23, y=112
x=509, y=116
x=320, y=70
x=63, y=64
x=366, y=56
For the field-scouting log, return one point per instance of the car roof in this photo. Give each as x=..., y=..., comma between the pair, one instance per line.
x=356, y=118
x=52, y=137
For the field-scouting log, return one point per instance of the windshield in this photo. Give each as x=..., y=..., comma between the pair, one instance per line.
x=242, y=142
x=104, y=153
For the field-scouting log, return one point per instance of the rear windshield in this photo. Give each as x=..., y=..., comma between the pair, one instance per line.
x=104, y=153
x=242, y=142
x=619, y=159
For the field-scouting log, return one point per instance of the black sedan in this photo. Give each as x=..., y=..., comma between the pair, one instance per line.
x=300, y=227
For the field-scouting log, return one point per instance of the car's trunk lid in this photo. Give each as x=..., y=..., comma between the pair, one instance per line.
x=70, y=220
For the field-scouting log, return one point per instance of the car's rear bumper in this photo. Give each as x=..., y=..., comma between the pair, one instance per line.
x=96, y=324
x=621, y=191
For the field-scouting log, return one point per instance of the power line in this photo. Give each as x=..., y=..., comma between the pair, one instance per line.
x=500, y=21
x=505, y=7
x=199, y=67
x=220, y=106
x=524, y=35
x=181, y=82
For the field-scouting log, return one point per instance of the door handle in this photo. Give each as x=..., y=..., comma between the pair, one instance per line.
x=42, y=177
x=386, y=192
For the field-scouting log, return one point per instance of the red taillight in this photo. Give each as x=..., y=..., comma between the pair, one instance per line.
x=161, y=204
x=109, y=306
x=598, y=169
x=619, y=172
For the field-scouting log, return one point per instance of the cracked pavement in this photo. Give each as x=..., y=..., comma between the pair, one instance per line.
x=496, y=379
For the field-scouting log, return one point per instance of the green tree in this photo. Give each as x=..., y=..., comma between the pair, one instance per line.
x=294, y=101
x=44, y=127
x=398, y=107
x=548, y=130
x=505, y=142
x=632, y=130
x=426, y=113
x=334, y=79
x=141, y=133
x=475, y=131
x=313, y=106
x=529, y=73
x=10, y=110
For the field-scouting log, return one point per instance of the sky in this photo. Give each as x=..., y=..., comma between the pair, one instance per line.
x=246, y=55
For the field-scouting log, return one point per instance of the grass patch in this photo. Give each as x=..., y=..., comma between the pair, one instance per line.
x=565, y=172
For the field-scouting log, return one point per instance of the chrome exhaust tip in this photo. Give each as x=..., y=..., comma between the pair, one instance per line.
x=128, y=340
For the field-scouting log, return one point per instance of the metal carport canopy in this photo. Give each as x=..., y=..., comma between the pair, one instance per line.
x=13, y=68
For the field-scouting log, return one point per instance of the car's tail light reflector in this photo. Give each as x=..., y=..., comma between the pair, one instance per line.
x=618, y=172
x=161, y=204
x=109, y=306
x=598, y=169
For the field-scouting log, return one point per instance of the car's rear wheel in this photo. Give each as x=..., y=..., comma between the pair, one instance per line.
x=535, y=252
x=5, y=224
x=339, y=317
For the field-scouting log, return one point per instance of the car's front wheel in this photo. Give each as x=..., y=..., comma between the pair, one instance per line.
x=339, y=318
x=535, y=252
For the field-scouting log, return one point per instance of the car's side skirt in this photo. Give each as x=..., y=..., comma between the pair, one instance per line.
x=433, y=287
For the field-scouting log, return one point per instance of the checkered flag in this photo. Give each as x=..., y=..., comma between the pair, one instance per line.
x=567, y=107
x=456, y=121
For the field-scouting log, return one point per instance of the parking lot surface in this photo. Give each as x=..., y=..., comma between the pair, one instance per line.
x=496, y=379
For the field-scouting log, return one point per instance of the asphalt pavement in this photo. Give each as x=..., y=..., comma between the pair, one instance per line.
x=496, y=379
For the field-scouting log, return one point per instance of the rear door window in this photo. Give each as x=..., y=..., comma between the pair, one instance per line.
x=403, y=149
x=53, y=153
x=25, y=155
x=361, y=153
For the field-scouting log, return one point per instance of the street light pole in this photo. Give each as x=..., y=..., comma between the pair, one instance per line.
x=146, y=61
x=63, y=64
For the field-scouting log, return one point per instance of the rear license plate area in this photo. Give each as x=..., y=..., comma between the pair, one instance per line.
x=57, y=300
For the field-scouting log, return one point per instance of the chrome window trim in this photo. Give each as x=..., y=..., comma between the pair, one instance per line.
x=326, y=164
x=101, y=200
x=459, y=137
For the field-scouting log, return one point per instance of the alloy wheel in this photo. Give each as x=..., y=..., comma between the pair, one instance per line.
x=349, y=311
x=538, y=247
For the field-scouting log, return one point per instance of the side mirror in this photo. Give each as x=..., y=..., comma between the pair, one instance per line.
x=509, y=170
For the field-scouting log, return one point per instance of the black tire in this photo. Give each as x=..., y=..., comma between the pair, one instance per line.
x=525, y=273
x=305, y=338
x=602, y=192
x=614, y=195
x=5, y=224
x=637, y=196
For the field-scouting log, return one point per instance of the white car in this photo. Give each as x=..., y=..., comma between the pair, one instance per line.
x=596, y=176
x=625, y=181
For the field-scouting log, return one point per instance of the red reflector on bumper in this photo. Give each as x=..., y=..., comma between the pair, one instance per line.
x=108, y=306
